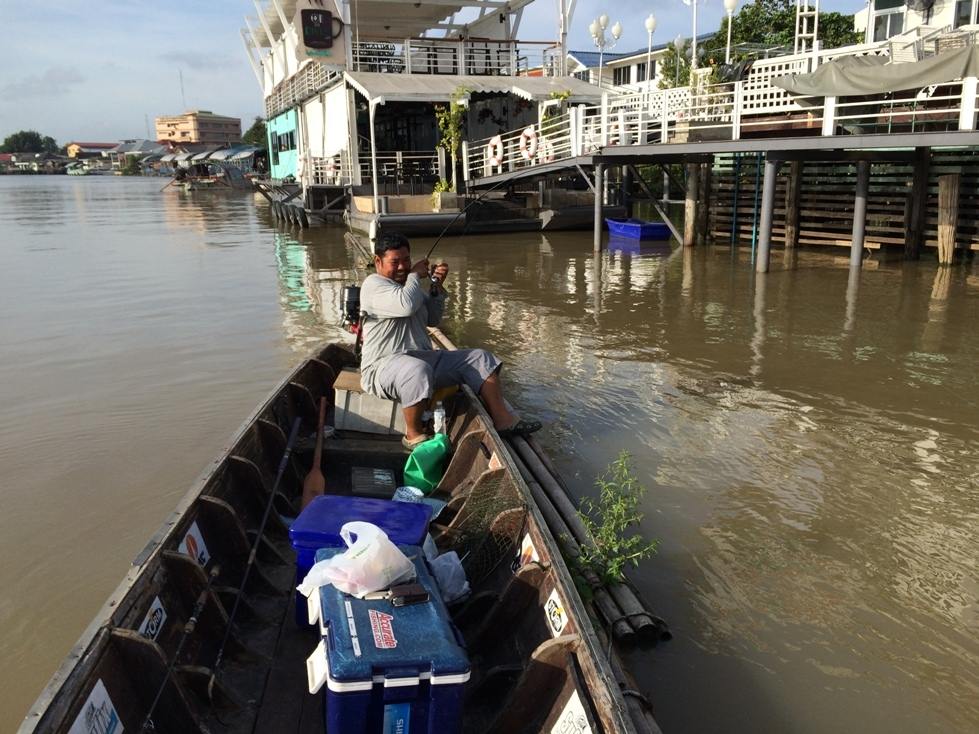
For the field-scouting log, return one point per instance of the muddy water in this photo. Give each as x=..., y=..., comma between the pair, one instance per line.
x=809, y=447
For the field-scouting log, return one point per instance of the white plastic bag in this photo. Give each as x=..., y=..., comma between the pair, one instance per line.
x=370, y=563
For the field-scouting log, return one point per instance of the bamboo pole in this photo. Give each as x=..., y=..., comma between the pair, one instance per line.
x=645, y=624
x=792, y=192
x=690, y=206
x=948, y=216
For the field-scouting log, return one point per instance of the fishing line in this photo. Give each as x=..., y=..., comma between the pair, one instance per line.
x=461, y=212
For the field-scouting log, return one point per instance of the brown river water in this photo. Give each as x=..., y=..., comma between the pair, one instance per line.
x=811, y=450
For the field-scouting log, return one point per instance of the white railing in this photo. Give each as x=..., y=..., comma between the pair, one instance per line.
x=309, y=80
x=730, y=111
x=396, y=167
x=448, y=56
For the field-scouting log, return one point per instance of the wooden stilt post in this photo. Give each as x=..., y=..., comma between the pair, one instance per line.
x=599, y=218
x=690, y=206
x=792, y=192
x=767, y=209
x=859, y=214
x=703, y=204
x=914, y=226
x=948, y=216
x=627, y=190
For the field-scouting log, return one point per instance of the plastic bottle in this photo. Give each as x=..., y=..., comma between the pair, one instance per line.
x=438, y=418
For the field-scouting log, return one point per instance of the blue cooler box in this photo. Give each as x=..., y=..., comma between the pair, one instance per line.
x=318, y=526
x=388, y=669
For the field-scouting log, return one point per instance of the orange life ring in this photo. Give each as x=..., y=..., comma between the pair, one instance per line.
x=494, y=150
x=528, y=143
x=545, y=151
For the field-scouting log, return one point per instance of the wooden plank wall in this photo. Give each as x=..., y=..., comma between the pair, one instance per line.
x=826, y=201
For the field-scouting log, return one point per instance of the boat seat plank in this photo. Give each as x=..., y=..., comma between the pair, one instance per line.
x=532, y=699
x=248, y=476
x=134, y=695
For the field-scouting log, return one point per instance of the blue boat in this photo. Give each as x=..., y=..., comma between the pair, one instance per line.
x=637, y=229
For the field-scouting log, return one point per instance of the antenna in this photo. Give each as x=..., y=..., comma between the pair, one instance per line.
x=182, y=97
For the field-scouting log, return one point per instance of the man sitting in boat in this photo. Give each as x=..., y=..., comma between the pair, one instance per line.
x=398, y=362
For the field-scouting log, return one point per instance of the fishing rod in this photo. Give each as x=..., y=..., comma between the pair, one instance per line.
x=252, y=554
x=461, y=212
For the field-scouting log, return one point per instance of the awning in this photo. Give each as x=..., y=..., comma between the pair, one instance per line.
x=245, y=153
x=200, y=156
x=442, y=87
x=859, y=75
x=235, y=153
x=168, y=157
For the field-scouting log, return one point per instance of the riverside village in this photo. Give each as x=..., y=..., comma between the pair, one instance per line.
x=725, y=480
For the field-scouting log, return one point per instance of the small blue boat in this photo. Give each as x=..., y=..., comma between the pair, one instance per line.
x=637, y=229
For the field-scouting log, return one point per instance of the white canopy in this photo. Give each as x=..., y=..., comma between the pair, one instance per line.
x=441, y=87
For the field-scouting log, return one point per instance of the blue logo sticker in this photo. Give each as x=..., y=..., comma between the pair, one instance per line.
x=397, y=718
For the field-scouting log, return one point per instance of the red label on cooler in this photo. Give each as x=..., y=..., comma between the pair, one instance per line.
x=382, y=629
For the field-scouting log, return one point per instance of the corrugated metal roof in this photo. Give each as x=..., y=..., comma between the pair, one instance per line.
x=442, y=87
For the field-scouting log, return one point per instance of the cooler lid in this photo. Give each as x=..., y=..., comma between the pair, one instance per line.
x=373, y=641
x=318, y=525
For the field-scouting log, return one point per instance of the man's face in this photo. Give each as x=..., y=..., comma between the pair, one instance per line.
x=396, y=264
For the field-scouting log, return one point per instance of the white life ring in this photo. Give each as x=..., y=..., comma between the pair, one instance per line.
x=528, y=143
x=494, y=150
x=545, y=151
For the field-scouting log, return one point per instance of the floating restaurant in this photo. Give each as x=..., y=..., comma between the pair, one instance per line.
x=869, y=146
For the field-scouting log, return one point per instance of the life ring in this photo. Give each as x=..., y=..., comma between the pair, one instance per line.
x=494, y=150
x=528, y=143
x=545, y=151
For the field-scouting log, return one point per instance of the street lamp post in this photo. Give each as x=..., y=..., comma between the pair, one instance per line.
x=729, y=6
x=650, y=27
x=678, y=44
x=597, y=29
x=693, y=38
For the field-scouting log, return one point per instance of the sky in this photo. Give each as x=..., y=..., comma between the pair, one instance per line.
x=102, y=70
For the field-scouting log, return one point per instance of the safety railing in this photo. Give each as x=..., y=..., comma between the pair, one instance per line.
x=729, y=111
x=311, y=79
x=397, y=167
x=448, y=56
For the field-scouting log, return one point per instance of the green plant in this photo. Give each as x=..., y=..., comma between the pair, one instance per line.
x=132, y=167
x=552, y=111
x=440, y=186
x=450, y=118
x=609, y=520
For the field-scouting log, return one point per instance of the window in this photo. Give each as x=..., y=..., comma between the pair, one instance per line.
x=964, y=13
x=641, y=72
x=620, y=75
x=888, y=18
x=583, y=75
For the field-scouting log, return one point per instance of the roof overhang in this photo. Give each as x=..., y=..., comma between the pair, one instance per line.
x=379, y=88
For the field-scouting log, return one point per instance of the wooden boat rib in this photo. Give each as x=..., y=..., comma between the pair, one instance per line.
x=529, y=663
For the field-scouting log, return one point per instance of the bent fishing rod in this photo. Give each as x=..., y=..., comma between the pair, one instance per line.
x=461, y=212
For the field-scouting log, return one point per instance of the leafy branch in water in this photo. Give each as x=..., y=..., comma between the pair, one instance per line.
x=609, y=520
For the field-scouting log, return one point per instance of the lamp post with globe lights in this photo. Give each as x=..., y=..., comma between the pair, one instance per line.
x=729, y=6
x=597, y=29
x=650, y=27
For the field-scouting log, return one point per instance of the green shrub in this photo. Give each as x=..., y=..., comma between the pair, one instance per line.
x=609, y=520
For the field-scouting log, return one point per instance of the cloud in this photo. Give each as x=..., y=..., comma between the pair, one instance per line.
x=197, y=60
x=55, y=82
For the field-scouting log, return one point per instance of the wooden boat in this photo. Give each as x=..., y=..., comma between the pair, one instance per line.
x=192, y=641
x=638, y=229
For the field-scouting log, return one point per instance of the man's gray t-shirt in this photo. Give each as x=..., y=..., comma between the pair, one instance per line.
x=395, y=321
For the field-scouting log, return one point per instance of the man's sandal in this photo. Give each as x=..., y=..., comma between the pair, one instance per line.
x=411, y=443
x=522, y=427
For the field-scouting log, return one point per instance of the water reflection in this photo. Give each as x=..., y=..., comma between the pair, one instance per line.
x=812, y=462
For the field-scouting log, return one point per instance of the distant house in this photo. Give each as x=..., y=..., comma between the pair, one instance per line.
x=88, y=150
x=139, y=148
x=198, y=126
x=882, y=20
x=622, y=71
